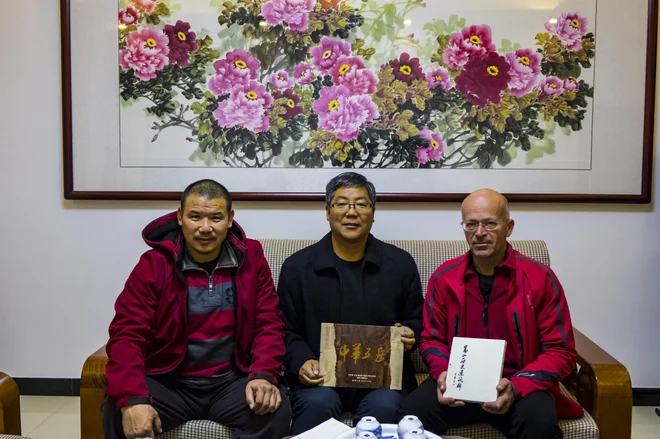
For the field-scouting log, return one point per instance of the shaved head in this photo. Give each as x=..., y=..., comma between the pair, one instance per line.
x=488, y=197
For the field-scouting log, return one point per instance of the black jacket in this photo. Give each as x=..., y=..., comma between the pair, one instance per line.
x=310, y=293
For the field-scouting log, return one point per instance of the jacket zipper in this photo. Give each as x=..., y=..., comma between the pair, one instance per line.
x=516, y=322
x=457, y=320
x=484, y=317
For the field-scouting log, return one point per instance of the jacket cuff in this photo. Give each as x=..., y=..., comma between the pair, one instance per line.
x=516, y=395
x=518, y=388
x=262, y=376
x=133, y=400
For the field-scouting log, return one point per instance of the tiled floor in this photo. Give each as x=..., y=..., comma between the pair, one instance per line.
x=58, y=417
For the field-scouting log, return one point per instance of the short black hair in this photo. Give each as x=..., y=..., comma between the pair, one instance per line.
x=209, y=189
x=349, y=179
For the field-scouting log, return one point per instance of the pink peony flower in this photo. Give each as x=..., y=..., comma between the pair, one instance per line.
x=552, y=86
x=146, y=53
x=182, y=42
x=422, y=156
x=359, y=82
x=571, y=84
x=325, y=54
x=570, y=28
x=280, y=80
x=294, y=12
x=350, y=71
x=146, y=5
x=239, y=67
x=525, y=69
x=303, y=74
x=342, y=113
x=245, y=108
x=471, y=41
x=438, y=77
x=434, y=149
x=129, y=16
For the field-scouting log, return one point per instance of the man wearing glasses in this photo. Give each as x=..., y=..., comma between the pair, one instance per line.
x=495, y=292
x=348, y=277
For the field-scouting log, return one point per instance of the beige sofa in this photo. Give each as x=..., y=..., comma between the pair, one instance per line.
x=602, y=385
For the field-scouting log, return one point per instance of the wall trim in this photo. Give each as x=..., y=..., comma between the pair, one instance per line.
x=646, y=397
x=49, y=386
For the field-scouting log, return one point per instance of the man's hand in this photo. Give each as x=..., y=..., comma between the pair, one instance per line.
x=140, y=420
x=262, y=397
x=309, y=373
x=407, y=337
x=504, y=399
x=442, y=388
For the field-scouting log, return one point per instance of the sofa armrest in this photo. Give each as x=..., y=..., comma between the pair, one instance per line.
x=93, y=383
x=603, y=387
x=10, y=406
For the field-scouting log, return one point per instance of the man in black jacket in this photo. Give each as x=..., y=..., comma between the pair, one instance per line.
x=353, y=278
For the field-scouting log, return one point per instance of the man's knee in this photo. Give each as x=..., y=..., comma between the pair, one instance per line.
x=311, y=406
x=318, y=399
x=418, y=402
x=535, y=416
x=384, y=405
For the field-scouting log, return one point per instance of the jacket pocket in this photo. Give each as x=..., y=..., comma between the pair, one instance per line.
x=516, y=323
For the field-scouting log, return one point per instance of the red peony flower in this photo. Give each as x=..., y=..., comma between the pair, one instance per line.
x=483, y=79
x=292, y=107
x=329, y=4
x=406, y=69
x=182, y=42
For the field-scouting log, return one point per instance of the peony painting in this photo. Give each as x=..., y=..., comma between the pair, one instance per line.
x=544, y=101
x=358, y=84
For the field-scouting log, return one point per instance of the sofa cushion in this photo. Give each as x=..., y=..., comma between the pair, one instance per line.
x=583, y=428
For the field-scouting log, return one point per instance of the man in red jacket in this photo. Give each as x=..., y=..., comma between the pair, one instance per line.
x=495, y=292
x=197, y=332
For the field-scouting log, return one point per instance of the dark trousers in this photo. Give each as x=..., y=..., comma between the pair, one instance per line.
x=314, y=405
x=222, y=401
x=532, y=417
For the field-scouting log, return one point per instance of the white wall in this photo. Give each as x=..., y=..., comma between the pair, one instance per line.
x=63, y=263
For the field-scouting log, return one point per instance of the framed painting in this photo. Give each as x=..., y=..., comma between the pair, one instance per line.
x=549, y=101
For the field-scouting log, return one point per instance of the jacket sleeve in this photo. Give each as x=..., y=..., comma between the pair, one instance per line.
x=412, y=314
x=268, y=345
x=434, y=346
x=130, y=332
x=557, y=344
x=297, y=350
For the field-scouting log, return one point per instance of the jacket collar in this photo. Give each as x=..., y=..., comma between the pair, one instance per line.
x=456, y=277
x=324, y=255
x=227, y=259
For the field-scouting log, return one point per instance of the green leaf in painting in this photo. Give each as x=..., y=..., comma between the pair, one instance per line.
x=539, y=149
x=507, y=157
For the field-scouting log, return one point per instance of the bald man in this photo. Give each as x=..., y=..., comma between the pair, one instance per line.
x=496, y=292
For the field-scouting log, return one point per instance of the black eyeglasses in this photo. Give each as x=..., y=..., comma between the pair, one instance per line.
x=345, y=207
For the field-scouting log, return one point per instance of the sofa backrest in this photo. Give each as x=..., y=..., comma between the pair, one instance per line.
x=429, y=254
